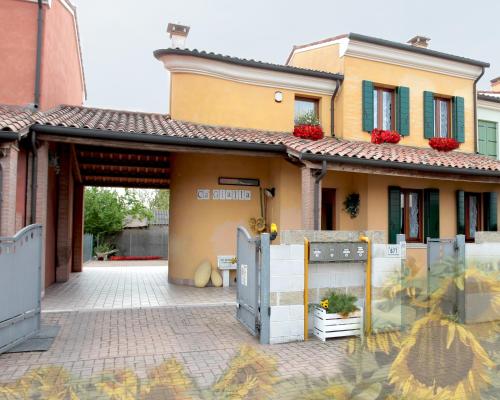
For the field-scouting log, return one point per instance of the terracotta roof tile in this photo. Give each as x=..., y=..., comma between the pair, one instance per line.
x=119, y=121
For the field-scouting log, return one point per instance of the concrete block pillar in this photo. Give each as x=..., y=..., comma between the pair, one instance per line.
x=64, y=217
x=78, y=228
x=307, y=181
x=8, y=181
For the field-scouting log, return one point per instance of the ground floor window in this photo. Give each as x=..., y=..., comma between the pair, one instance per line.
x=328, y=209
x=476, y=212
x=411, y=214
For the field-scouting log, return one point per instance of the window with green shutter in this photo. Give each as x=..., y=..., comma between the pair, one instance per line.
x=395, y=223
x=459, y=119
x=428, y=115
x=431, y=213
x=403, y=103
x=367, y=106
x=490, y=211
x=460, y=212
x=487, y=138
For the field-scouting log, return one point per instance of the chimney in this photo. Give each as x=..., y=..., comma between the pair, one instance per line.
x=178, y=34
x=419, y=41
x=495, y=85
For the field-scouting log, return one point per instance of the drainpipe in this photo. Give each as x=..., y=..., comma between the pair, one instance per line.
x=36, y=102
x=318, y=176
x=34, y=172
x=332, y=109
x=475, y=109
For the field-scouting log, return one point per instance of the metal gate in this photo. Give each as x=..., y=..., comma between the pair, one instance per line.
x=445, y=260
x=253, y=281
x=20, y=286
x=88, y=247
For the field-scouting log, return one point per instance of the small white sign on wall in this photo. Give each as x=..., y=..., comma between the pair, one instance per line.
x=203, y=194
x=393, y=250
x=231, y=194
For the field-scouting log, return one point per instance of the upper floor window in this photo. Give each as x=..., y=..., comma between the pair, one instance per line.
x=442, y=118
x=306, y=107
x=383, y=108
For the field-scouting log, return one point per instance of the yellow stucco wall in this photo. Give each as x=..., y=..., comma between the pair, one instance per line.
x=216, y=101
x=348, y=104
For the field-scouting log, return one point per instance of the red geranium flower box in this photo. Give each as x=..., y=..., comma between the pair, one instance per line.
x=380, y=136
x=311, y=132
x=444, y=144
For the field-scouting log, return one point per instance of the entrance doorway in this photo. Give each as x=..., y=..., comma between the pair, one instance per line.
x=328, y=209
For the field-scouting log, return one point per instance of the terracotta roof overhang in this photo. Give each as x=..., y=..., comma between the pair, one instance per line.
x=489, y=97
x=248, y=63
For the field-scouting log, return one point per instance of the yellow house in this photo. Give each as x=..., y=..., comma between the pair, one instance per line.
x=352, y=84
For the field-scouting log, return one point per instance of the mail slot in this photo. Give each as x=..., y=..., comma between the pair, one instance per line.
x=338, y=252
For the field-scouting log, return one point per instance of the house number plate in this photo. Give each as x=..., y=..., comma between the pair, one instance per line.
x=338, y=252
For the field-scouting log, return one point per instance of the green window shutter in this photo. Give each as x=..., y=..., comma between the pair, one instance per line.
x=403, y=108
x=367, y=106
x=428, y=115
x=458, y=119
x=490, y=211
x=394, y=213
x=487, y=138
x=431, y=213
x=460, y=212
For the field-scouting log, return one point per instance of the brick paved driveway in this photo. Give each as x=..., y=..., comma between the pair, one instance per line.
x=100, y=335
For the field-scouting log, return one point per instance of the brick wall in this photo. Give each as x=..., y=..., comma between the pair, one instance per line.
x=8, y=163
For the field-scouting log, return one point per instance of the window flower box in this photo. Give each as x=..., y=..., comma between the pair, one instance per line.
x=444, y=144
x=327, y=325
x=311, y=132
x=380, y=136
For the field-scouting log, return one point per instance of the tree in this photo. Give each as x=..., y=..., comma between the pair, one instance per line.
x=161, y=200
x=106, y=209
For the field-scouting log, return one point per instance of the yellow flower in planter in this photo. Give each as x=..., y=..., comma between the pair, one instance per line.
x=324, y=304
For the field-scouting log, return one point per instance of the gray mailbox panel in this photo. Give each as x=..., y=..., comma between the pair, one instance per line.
x=338, y=252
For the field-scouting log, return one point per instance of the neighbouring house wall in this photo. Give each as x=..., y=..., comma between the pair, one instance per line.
x=490, y=111
x=61, y=73
x=152, y=241
x=322, y=59
x=216, y=101
x=18, y=29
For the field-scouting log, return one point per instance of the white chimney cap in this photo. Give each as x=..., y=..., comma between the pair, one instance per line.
x=178, y=34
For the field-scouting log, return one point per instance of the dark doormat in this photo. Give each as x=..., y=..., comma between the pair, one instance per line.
x=40, y=342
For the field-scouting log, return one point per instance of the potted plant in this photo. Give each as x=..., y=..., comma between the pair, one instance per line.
x=444, y=144
x=380, y=136
x=337, y=316
x=307, y=127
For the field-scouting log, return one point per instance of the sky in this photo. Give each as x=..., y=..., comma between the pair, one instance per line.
x=118, y=37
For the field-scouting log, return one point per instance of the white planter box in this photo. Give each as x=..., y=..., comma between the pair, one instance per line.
x=334, y=325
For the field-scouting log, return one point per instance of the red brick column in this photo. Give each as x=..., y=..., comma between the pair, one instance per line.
x=41, y=198
x=78, y=228
x=64, y=217
x=8, y=165
x=307, y=180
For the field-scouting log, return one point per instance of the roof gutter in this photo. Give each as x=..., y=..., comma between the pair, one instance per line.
x=475, y=108
x=38, y=67
x=397, y=165
x=332, y=108
x=9, y=135
x=159, y=139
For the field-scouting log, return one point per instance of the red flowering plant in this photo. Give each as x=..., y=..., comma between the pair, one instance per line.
x=307, y=127
x=380, y=136
x=444, y=144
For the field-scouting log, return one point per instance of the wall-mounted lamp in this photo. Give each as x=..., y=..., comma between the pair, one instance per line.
x=270, y=192
x=278, y=96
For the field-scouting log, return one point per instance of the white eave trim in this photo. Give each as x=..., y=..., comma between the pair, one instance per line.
x=389, y=55
x=488, y=105
x=246, y=74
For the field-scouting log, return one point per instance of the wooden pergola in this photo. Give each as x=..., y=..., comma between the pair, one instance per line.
x=115, y=167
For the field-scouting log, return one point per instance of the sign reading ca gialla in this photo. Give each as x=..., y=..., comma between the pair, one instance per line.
x=224, y=194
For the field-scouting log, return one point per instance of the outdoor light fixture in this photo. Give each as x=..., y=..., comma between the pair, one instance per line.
x=239, y=181
x=278, y=97
x=270, y=192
